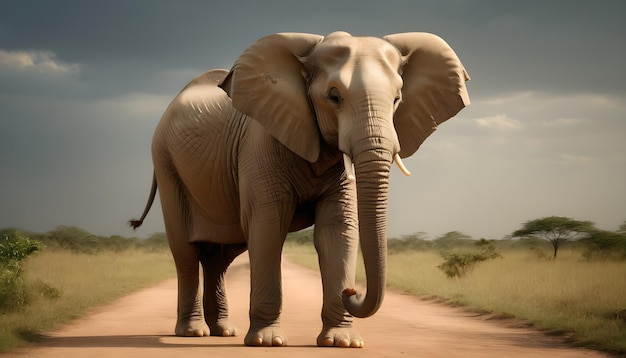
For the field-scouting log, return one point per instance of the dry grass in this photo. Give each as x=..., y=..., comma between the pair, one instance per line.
x=567, y=295
x=83, y=281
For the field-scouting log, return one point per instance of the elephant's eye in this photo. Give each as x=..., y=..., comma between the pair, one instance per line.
x=334, y=97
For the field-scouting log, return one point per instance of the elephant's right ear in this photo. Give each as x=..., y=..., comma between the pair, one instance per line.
x=267, y=83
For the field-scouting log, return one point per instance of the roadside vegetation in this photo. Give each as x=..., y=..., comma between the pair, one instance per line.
x=49, y=279
x=581, y=295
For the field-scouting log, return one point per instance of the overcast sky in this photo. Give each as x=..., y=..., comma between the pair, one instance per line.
x=84, y=83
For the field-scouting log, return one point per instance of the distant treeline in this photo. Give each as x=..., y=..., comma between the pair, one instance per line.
x=596, y=245
x=82, y=241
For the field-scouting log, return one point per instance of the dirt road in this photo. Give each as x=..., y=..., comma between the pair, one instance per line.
x=141, y=325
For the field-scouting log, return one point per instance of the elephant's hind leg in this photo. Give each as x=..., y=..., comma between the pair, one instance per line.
x=215, y=259
x=190, y=318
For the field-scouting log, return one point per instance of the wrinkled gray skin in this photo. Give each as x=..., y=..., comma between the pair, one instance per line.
x=241, y=158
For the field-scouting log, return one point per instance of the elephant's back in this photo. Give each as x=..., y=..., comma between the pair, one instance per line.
x=197, y=119
x=210, y=78
x=197, y=137
x=201, y=104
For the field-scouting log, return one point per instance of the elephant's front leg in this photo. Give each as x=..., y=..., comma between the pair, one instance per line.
x=265, y=240
x=336, y=241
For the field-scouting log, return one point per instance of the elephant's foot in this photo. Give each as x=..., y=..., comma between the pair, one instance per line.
x=345, y=337
x=223, y=329
x=265, y=337
x=192, y=328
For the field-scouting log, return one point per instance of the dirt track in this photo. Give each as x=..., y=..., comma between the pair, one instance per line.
x=141, y=325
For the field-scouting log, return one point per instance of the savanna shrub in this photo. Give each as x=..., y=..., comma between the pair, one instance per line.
x=14, y=249
x=460, y=264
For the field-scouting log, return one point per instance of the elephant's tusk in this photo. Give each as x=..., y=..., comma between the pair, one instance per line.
x=347, y=162
x=403, y=169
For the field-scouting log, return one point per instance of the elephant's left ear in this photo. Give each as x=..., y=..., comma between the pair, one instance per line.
x=267, y=83
x=433, y=90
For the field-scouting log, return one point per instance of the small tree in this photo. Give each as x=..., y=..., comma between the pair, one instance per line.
x=555, y=229
x=460, y=264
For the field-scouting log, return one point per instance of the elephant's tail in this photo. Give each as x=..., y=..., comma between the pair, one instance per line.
x=137, y=223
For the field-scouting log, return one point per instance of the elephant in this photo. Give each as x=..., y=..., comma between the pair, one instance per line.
x=301, y=131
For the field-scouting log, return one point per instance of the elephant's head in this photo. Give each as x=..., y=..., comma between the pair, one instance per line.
x=374, y=99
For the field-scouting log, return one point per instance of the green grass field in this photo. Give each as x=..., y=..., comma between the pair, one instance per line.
x=81, y=281
x=569, y=295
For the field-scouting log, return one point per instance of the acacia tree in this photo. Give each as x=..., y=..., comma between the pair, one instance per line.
x=555, y=229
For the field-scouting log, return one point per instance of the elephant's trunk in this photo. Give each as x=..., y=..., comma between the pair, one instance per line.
x=372, y=168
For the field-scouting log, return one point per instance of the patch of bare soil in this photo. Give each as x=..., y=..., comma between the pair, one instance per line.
x=142, y=324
